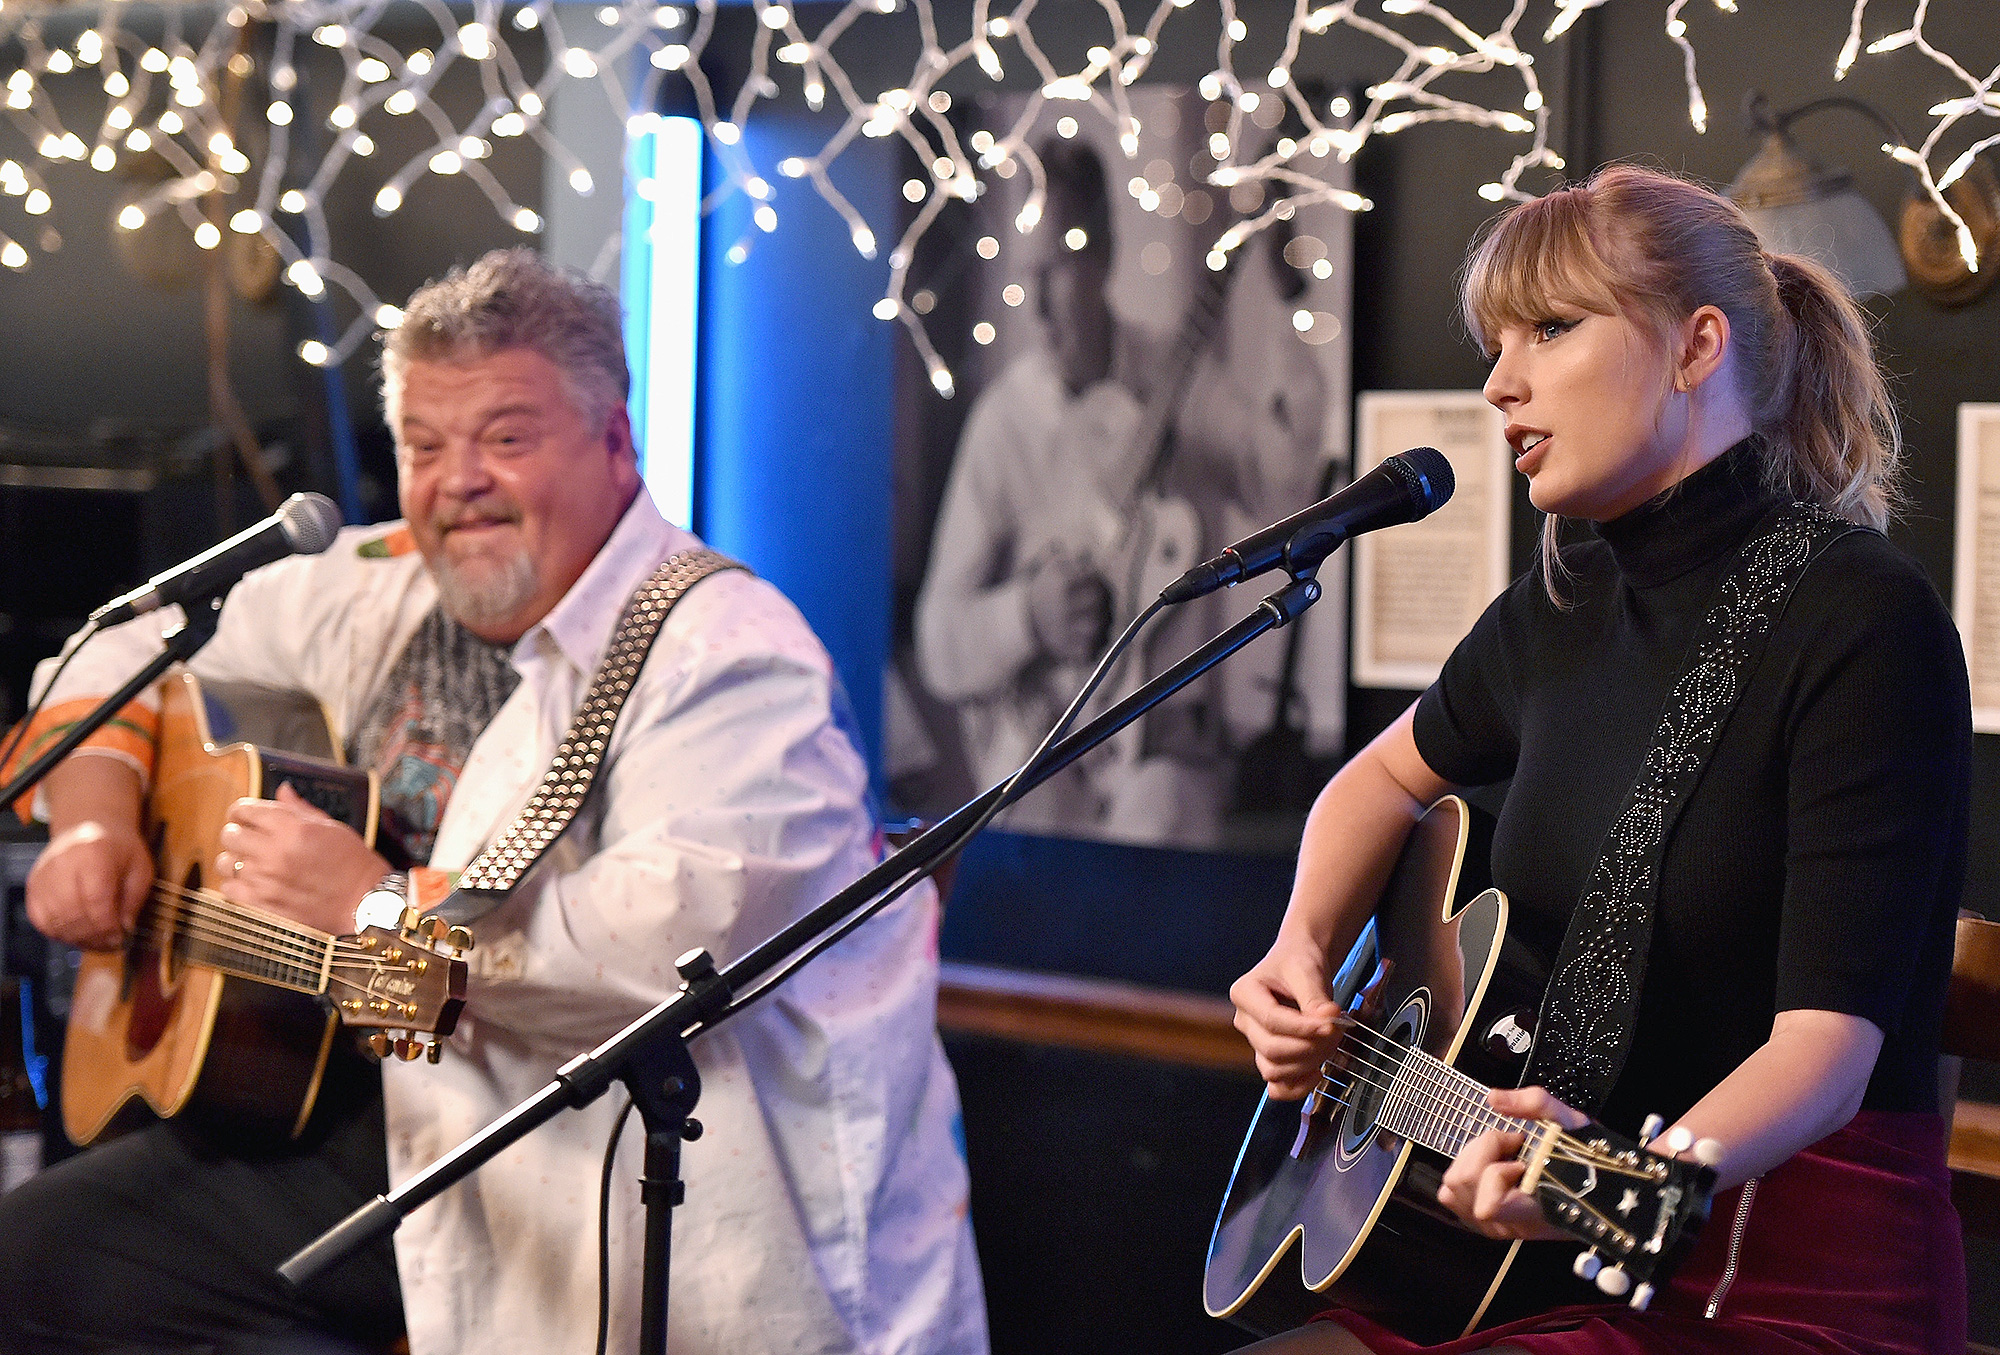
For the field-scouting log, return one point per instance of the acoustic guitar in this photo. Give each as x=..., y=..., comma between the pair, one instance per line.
x=1333, y=1201
x=229, y=1011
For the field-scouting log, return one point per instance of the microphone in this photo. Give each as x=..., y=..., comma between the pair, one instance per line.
x=303, y=525
x=1407, y=486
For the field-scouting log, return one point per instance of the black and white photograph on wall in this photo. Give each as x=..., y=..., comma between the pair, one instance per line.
x=1124, y=410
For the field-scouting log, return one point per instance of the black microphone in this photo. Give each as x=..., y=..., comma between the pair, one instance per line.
x=1407, y=486
x=303, y=525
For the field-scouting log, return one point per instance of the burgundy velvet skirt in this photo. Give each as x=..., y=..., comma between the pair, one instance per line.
x=1852, y=1247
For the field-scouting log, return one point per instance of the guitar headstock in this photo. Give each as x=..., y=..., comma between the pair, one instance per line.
x=1638, y=1211
x=406, y=986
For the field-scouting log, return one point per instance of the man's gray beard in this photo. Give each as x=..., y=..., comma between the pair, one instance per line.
x=488, y=593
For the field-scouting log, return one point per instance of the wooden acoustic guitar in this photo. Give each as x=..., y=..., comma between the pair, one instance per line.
x=225, y=1010
x=1333, y=1201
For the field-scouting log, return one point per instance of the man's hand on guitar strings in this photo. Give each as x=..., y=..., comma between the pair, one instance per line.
x=295, y=859
x=1482, y=1185
x=1283, y=1010
x=89, y=883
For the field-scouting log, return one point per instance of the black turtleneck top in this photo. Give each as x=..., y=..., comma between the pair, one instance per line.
x=1818, y=863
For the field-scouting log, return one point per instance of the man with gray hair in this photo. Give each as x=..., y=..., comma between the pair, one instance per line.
x=826, y=1205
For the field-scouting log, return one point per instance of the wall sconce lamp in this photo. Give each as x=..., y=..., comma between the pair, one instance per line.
x=1797, y=207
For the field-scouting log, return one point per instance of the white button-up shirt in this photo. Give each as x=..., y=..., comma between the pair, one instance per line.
x=826, y=1203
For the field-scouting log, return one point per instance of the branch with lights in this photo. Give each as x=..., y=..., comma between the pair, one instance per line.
x=176, y=98
x=1978, y=100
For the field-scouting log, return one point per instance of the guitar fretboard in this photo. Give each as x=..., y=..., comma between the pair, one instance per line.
x=205, y=929
x=1430, y=1102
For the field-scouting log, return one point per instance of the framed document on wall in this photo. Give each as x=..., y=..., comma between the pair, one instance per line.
x=1419, y=587
x=1975, y=586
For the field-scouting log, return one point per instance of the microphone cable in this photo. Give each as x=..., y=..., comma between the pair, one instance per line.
x=604, y=1226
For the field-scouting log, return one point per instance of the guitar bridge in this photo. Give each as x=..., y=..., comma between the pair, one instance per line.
x=1315, y=1118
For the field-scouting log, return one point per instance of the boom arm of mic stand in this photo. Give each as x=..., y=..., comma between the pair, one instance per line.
x=704, y=1004
x=1279, y=609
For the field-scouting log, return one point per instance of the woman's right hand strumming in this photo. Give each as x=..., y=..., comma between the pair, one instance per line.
x=1356, y=830
x=1283, y=1010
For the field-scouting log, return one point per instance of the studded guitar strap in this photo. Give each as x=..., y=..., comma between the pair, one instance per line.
x=1592, y=1004
x=485, y=884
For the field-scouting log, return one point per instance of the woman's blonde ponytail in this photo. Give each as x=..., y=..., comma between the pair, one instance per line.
x=1828, y=411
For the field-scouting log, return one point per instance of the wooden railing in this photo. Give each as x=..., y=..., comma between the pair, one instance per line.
x=1195, y=1030
x=1192, y=1029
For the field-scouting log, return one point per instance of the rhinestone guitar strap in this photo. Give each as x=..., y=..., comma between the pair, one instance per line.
x=484, y=885
x=1585, y=1028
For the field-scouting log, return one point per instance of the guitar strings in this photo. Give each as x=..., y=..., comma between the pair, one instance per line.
x=206, y=918
x=222, y=950
x=1425, y=1078
x=216, y=907
x=1451, y=1100
x=1438, y=1079
x=230, y=957
x=217, y=928
x=229, y=925
x=213, y=906
x=1566, y=1148
x=206, y=931
x=1414, y=1095
x=227, y=949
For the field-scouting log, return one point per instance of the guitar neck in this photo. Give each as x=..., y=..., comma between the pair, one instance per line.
x=1430, y=1102
x=204, y=928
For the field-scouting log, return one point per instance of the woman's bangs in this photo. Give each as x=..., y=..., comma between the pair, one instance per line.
x=1538, y=261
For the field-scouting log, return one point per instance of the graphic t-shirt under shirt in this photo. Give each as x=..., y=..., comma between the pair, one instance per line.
x=419, y=727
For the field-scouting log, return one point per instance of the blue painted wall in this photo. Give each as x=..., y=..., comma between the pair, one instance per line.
x=796, y=413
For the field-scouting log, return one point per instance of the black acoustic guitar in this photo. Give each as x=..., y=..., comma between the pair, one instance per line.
x=1333, y=1201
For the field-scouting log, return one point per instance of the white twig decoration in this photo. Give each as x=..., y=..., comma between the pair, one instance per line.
x=178, y=116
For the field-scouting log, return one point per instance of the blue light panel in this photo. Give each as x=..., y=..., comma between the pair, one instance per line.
x=660, y=286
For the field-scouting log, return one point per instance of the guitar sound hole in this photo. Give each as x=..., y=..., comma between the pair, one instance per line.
x=1376, y=1060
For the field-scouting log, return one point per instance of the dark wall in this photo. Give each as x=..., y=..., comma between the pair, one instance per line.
x=87, y=340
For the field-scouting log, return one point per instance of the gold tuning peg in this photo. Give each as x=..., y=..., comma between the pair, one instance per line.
x=378, y=1044
x=434, y=928
x=408, y=1050
x=458, y=938
x=408, y=920
x=433, y=1051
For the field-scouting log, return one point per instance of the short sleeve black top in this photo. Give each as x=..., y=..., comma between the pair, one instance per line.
x=1818, y=863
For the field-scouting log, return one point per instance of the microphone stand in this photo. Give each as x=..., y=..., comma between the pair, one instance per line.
x=651, y=1055
x=180, y=646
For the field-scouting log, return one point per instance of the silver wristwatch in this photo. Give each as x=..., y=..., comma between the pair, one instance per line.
x=385, y=901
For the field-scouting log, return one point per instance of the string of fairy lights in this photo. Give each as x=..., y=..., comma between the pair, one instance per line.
x=191, y=95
